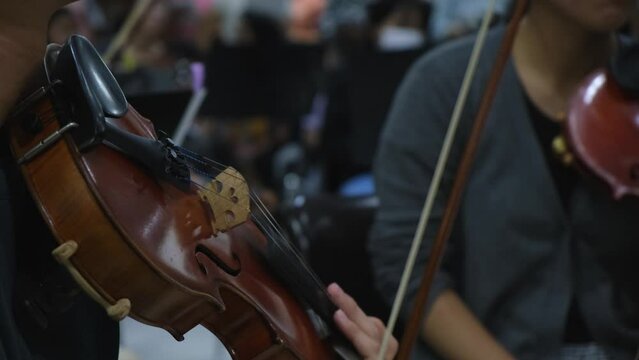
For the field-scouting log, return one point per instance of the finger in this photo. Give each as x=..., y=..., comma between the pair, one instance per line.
x=351, y=309
x=365, y=345
x=380, y=328
x=393, y=347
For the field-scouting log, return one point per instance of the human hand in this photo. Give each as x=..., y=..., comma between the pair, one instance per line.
x=365, y=332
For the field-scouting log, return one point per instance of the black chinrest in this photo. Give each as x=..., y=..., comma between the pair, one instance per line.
x=94, y=92
x=95, y=77
x=86, y=93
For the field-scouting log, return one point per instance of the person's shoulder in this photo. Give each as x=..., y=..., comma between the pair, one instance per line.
x=450, y=59
x=428, y=93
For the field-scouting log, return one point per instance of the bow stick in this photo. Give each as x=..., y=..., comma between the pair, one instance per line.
x=123, y=35
x=461, y=179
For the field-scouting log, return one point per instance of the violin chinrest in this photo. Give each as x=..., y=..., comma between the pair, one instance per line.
x=95, y=77
x=92, y=87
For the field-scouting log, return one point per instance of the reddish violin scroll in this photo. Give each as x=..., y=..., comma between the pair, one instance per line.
x=144, y=248
x=603, y=133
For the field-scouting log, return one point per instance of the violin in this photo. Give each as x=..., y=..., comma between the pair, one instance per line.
x=156, y=232
x=602, y=127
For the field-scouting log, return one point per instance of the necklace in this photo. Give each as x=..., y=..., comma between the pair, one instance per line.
x=560, y=144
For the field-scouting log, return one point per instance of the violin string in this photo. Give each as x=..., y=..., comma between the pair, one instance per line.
x=286, y=243
x=286, y=247
x=271, y=220
x=281, y=244
x=268, y=223
x=220, y=167
x=268, y=214
x=256, y=201
x=274, y=235
x=272, y=228
x=268, y=226
x=51, y=114
x=206, y=161
x=206, y=190
x=264, y=218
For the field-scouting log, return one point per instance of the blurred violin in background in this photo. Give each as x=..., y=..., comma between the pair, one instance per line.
x=602, y=126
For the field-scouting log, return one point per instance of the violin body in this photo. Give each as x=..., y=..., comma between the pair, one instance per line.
x=144, y=244
x=603, y=132
x=144, y=247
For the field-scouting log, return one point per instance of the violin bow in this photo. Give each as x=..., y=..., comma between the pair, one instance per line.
x=123, y=35
x=459, y=184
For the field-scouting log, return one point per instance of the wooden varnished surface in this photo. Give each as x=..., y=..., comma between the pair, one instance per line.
x=151, y=243
x=603, y=128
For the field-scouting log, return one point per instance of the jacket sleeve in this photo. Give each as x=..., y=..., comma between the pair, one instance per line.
x=406, y=159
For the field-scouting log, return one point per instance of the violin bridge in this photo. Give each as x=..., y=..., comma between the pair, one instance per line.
x=228, y=198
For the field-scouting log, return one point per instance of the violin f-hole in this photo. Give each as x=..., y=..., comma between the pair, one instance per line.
x=203, y=250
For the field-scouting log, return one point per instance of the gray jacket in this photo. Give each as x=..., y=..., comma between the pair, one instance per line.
x=515, y=257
